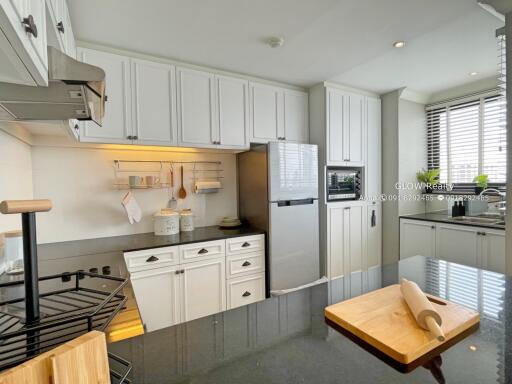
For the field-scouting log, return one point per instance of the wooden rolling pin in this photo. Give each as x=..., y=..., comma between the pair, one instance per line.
x=24, y=206
x=422, y=310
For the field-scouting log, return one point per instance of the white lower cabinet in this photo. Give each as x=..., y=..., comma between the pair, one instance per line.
x=468, y=245
x=158, y=296
x=417, y=238
x=374, y=236
x=182, y=283
x=203, y=288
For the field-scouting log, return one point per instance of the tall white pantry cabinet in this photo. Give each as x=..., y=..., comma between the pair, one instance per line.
x=346, y=126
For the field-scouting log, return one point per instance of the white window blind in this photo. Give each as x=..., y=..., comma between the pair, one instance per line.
x=467, y=137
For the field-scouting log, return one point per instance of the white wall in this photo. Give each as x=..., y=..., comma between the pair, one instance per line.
x=80, y=181
x=509, y=141
x=16, y=176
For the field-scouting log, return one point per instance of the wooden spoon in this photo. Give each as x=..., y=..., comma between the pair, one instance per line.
x=182, y=193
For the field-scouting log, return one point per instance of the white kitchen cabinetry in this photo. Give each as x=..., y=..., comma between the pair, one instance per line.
x=154, y=104
x=345, y=125
x=203, y=288
x=117, y=122
x=457, y=243
x=417, y=238
x=374, y=235
x=233, y=112
x=373, y=171
x=60, y=32
x=468, y=245
x=161, y=290
x=278, y=114
x=182, y=283
x=23, y=42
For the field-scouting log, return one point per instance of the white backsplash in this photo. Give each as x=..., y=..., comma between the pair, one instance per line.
x=80, y=183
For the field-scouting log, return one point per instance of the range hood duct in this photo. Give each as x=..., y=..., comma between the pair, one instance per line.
x=75, y=90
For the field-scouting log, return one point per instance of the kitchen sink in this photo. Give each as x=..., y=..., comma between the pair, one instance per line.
x=476, y=220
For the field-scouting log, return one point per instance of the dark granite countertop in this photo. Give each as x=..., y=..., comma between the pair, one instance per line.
x=445, y=217
x=137, y=242
x=286, y=339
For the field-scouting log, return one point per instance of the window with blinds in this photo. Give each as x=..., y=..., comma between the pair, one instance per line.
x=466, y=138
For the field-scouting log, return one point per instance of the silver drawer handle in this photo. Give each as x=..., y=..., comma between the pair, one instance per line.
x=246, y=244
x=202, y=251
x=246, y=264
x=246, y=293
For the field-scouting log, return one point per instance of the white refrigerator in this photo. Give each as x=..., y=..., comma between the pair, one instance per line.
x=278, y=192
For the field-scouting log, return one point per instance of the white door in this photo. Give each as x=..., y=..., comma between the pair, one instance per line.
x=355, y=132
x=266, y=113
x=335, y=127
x=233, y=107
x=157, y=295
x=493, y=250
x=203, y=287
x=117, y=122
x=417, y=237
x=196, y=108
x=458, y=244
x=154, y=104
x=373, y=153
x=374, y=241
x=68, y=35
x=296, y=116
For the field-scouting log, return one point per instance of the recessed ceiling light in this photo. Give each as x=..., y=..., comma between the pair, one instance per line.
x=399, y=44
x=275, y=41
x=473, y=73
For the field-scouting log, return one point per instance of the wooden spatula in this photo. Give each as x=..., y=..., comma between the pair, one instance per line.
x=182, y=193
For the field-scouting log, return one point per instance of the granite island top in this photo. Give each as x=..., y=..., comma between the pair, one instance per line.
x=285, y=339
x=138, y=242
x=445, y=217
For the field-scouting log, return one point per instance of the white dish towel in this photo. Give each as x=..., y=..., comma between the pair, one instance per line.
x=132, y=208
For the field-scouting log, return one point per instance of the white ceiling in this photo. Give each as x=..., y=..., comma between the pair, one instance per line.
x=345, y=40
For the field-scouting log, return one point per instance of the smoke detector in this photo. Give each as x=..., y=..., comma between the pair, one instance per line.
x=275, y=42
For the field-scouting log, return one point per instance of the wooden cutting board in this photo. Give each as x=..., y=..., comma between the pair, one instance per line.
x=382, y=319
x=83, y=360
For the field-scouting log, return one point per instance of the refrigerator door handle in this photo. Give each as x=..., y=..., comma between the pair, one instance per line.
x=290, y=203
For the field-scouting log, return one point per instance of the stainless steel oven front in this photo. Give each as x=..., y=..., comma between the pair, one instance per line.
x=343, y=183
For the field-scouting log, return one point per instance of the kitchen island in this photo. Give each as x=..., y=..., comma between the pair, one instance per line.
x=286, y=340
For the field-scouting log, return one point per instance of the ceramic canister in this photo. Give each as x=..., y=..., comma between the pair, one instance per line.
x=167, y=223
x=186, y=220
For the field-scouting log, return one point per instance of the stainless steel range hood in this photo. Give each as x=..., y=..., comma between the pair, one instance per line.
x=75, y=90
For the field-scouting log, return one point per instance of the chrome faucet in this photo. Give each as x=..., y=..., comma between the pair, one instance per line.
x=502, y=204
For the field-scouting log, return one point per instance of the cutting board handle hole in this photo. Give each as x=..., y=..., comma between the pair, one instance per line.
x=435, y=301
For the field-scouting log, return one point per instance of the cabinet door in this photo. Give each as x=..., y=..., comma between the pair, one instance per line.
x=203, y=288
x=335, y=126
x=373, y=152
x=157, y=295
x=31, y=48
x=458, y=244
x=266, y=106
x=233, y=107
x=67, y=34
x=354, y=133
x=117, y=122
x=196, y=108
x=296, y=116
x=493, y=250
x=417, y=238
x=154, y=105
x=374, y=241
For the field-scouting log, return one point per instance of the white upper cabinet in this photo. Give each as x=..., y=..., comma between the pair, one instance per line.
x=346, y=133
x=196, y=108
x=60, y=32
x=117, y=122
x=233, y=112
x=278, y=114
x=266, y=110
x=23, y=42
x=154, y=106
x=373, y=154
x=296, y=116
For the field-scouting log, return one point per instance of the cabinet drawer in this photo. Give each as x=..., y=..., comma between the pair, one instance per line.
x=244, y=244
x=197, y=251
x=239, y=265
x=245, y=290
x=151, y=258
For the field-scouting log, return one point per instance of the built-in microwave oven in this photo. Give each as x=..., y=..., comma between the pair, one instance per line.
x=343, y=183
